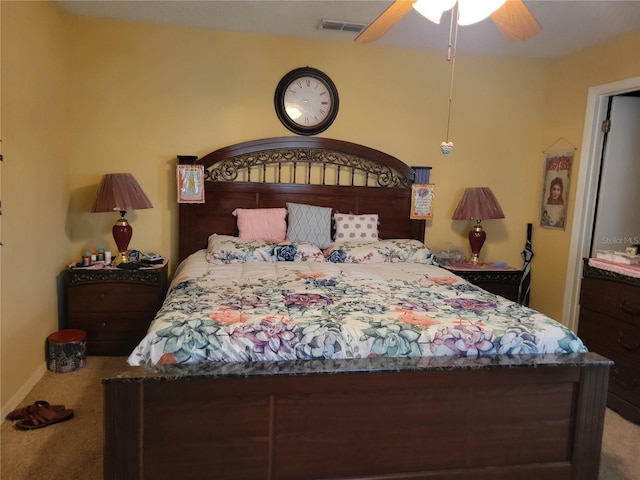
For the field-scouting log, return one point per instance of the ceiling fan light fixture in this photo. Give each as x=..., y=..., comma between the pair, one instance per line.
x=433, y=9
x=474, y=11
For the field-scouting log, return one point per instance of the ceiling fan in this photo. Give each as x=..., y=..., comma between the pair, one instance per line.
x=512, y=17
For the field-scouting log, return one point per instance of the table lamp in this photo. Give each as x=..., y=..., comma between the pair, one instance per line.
x=120, y=192
x=477, y=204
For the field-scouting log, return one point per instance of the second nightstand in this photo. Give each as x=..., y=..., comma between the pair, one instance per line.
x=114, y=306
x=504, y=281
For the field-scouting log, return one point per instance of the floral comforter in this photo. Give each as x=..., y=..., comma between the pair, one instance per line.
x=320, y=310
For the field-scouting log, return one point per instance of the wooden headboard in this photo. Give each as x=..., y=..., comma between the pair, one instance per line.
x=267, y=173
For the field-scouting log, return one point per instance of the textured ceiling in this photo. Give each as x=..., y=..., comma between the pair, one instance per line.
x=568, y=26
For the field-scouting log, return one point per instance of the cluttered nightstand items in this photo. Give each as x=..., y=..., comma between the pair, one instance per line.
x=94, y=256
x=135, y=259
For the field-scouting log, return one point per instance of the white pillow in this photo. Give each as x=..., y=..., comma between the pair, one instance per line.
x=356, y=228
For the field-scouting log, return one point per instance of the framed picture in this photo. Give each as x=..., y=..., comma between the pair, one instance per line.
x=555, y=188
x=190, y=183
x=422, y=196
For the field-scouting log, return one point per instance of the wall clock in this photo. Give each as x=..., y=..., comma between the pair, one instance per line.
x=306, y=101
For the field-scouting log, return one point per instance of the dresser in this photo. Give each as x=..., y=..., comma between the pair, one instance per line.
x=114, y=306
x=609, y=324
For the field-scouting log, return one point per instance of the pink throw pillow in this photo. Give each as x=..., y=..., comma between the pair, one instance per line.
x=262, y=223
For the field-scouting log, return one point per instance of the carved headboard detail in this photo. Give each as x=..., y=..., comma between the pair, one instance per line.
x=268, y=173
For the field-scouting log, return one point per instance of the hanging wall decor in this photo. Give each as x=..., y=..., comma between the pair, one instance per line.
x=422, y=196
x=190, y=183
x=555, y=187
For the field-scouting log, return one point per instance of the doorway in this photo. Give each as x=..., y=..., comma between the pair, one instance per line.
x=587, y=190
x=617, y=223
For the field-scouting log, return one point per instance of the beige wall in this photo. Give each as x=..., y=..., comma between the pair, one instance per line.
x=114, y=96
x=565, y=106
x=143, y=94
x=35, y=191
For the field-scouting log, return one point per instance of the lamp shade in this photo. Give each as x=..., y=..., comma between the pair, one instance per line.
x=478, y=203
x=119, y=192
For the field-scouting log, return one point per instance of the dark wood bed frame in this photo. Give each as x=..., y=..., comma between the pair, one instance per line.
x=516, y=417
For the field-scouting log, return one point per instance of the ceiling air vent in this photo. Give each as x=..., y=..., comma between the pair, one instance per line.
x=341, y=26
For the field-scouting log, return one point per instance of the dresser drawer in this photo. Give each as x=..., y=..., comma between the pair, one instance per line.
x=621, y=338
x=121, y=348
x=112, y=327
x=615, y=299
x=624, y=380
x=112, y=297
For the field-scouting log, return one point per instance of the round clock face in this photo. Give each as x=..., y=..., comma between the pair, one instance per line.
x=306, y=101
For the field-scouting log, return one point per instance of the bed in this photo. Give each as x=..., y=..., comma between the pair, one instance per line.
x=424, y=386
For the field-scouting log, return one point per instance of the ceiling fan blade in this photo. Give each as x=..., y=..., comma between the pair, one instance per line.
x=515, y=21
x=387, y=19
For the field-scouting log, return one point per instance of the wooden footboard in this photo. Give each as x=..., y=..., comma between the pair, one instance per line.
x=529, y=417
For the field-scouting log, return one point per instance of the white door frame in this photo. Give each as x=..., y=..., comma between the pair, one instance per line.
x=587, y=190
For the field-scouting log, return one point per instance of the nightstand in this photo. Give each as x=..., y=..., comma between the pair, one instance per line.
x=503, y=281
x=114, y=306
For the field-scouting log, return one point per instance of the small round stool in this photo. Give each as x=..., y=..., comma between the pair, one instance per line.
x=67, y=350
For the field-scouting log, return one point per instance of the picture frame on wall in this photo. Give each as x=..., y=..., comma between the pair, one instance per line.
x=190, y=183
x=555, y=188
x=422, y=197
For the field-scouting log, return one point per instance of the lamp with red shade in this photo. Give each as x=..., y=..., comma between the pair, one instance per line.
x=120, y=192
x=477, y=204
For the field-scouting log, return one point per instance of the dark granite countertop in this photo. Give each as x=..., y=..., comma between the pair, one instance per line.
x=381, y=364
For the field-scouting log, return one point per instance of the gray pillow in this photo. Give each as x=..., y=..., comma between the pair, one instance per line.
x=309, y=224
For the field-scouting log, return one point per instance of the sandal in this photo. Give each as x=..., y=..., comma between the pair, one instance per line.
x=39, y=416
x=21, y=413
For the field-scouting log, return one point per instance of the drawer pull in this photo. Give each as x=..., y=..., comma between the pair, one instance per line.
x=632, y=347
x=102, y=295
x=628, y=385
x=627, y=309
x=103, y=324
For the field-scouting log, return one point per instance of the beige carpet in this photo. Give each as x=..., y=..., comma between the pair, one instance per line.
x=72, y=450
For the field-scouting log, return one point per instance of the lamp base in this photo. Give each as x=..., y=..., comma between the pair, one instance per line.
x=122, y=233
x=477, y=236
x=121, y=257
